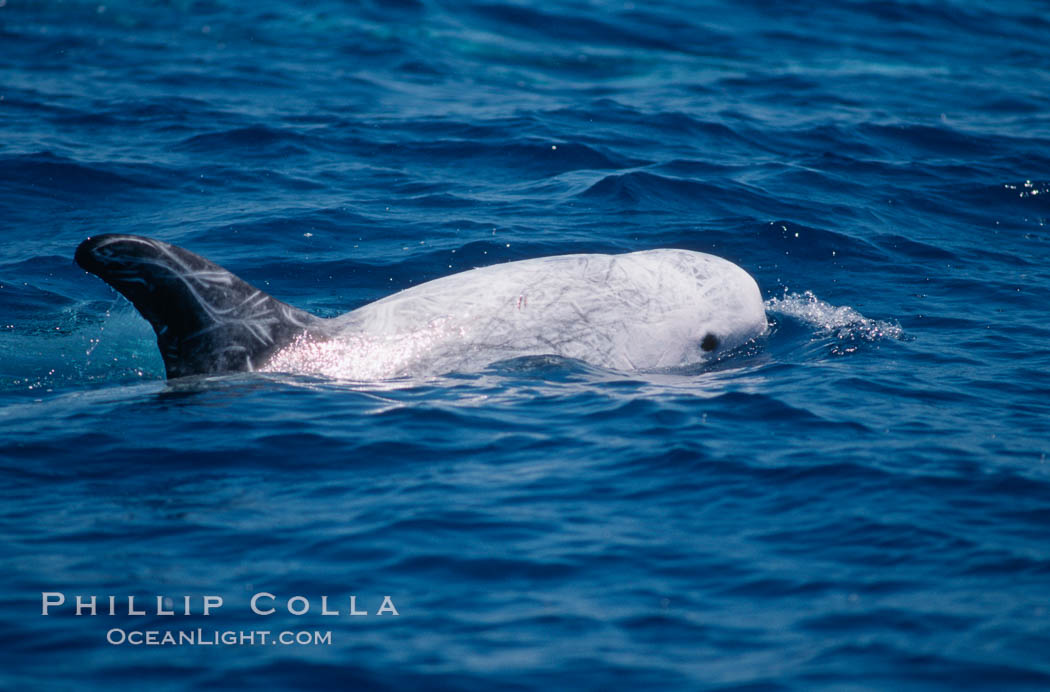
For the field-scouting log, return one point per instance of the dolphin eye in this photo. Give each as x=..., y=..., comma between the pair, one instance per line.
x=709, y=343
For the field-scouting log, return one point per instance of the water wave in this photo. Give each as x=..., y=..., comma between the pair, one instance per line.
x=857, y=499
x=842, y=323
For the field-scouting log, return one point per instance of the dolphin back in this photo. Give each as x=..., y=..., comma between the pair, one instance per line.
x=207, y=320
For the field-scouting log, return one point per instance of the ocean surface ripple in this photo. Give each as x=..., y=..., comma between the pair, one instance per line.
x=858, y=500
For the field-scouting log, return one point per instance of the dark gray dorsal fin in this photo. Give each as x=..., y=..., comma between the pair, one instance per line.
x=207, y=320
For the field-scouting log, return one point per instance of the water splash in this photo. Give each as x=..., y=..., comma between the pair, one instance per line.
x=845, y=324
x=1028, y=189
x=72, y=346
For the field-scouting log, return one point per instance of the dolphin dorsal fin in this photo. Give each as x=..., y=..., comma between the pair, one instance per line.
x=207, y=320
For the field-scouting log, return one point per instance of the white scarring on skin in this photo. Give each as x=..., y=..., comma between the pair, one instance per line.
x=642, y=311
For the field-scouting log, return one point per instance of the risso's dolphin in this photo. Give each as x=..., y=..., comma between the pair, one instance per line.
x=642, y=311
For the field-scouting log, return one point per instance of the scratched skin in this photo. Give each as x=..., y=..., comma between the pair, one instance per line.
x=644, y=311
x=636, y=312
x=207, y=320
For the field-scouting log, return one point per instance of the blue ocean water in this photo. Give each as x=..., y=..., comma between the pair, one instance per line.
x=861, y=500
